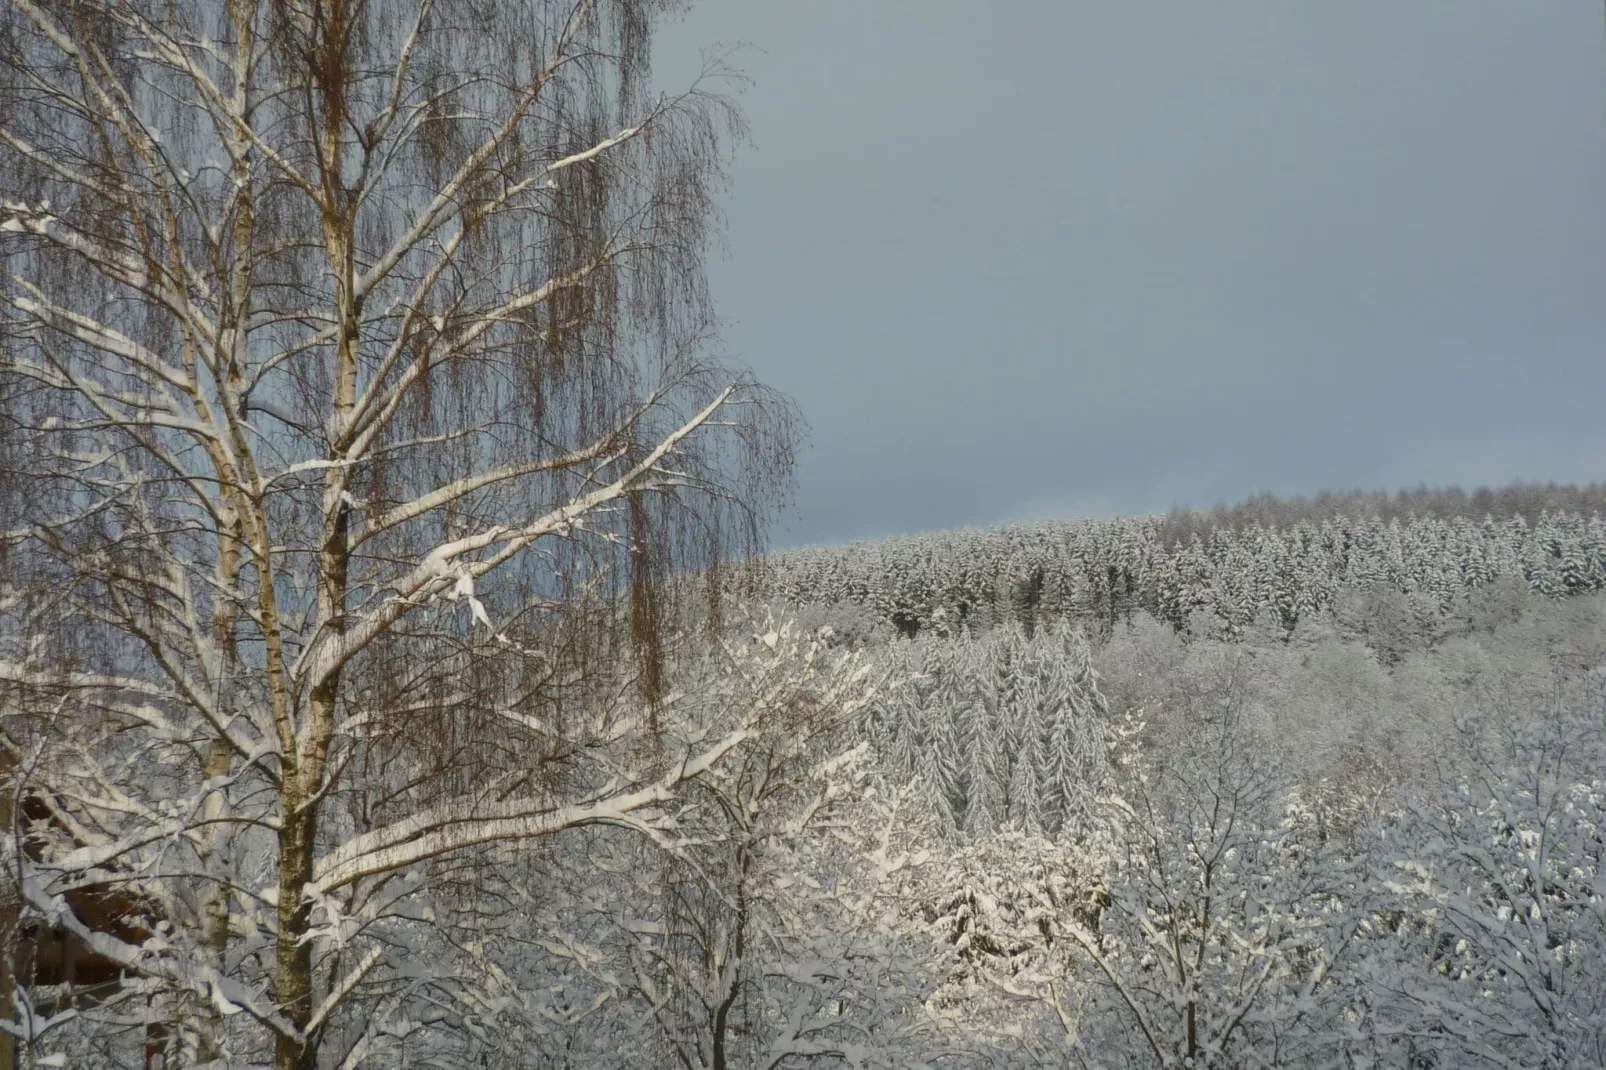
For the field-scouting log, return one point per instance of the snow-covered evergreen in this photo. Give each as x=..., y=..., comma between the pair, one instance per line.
x=1009, y=729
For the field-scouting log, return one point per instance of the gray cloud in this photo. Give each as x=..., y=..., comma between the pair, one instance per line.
x=1025, y=259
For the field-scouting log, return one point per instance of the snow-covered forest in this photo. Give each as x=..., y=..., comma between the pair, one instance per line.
x=388, y=676
x=1193, y=570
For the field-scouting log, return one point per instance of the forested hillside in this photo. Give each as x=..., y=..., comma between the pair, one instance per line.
x=1218, y=571
x=1322, y=796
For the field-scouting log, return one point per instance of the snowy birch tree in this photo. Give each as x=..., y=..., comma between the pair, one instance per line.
x=352, y=354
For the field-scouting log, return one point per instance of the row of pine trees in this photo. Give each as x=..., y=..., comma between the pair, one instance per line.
x=1007, y=729
x=1098, y=572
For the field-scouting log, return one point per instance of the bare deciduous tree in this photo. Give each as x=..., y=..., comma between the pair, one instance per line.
x=352, y=362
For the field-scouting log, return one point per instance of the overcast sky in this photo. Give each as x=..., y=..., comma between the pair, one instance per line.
x=1045, y=258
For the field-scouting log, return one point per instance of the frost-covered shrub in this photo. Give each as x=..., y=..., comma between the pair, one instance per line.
x=1499, y=884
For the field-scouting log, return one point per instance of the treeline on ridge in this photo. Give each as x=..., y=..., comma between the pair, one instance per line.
x=1278, y=561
